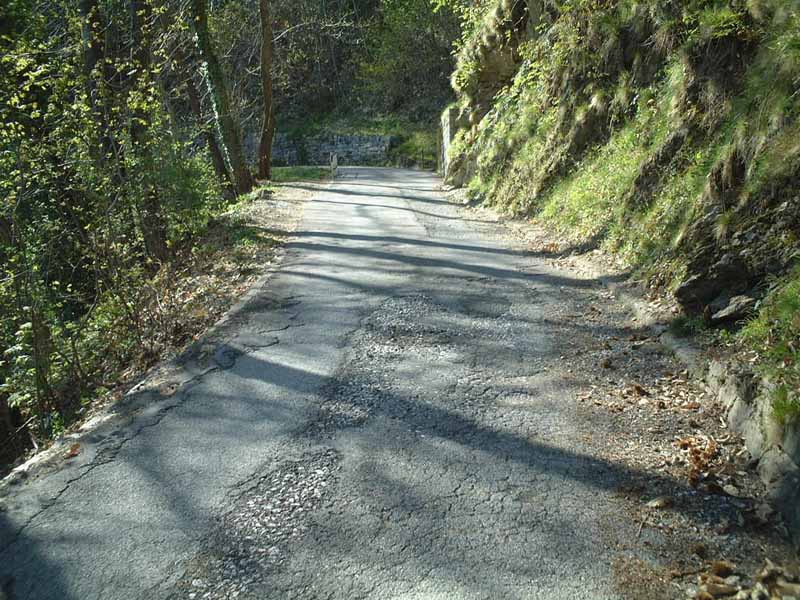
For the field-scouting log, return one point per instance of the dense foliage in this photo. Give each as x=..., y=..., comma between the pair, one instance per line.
x=408, y=63
x=98, y=187
x=342, y=60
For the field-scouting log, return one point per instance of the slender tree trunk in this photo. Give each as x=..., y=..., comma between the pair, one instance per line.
x=93, y=71
x=185, y=67
x=154, y=228
x=92, y=47
x=268, y=124
x=228, y=128
x=217, y=158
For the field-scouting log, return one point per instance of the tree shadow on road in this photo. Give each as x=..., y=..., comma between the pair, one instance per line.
x=402, y=241
x=19, y=550
x=428, y=430
x=370, y=194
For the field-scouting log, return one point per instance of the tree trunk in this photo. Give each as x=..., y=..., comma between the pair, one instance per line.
x=93, y=67
x=185, y=68
x=228, y=128
x=154, y=228
x=268, y=124
x=92, y=46
x=217, y=158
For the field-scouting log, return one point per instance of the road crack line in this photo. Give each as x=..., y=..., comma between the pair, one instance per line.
x=107, y=455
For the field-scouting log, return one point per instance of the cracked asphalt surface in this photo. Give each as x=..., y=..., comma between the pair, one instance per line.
x=389, y=416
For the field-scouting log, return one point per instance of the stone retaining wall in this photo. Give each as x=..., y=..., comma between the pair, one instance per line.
x=365, y=150
x=447, y=133
x=748, y=402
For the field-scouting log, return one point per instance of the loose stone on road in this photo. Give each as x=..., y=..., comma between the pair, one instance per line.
x=394, y=414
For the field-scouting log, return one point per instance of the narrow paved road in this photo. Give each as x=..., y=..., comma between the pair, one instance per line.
x=389, y=417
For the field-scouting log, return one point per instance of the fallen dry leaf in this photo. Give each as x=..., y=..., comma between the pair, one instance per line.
x=732, y=490
x=660, y=502
x=720, y=590
x=722, y=568
x=788, y=589
x=73, y=451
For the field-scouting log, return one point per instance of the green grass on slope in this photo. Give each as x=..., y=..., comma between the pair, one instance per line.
x=649, y=238
x=775, y=335
x=586, y=204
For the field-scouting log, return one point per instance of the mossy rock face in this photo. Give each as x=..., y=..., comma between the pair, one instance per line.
x=490, y=60
x=729, y=274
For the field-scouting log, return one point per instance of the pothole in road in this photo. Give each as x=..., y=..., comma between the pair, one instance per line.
x=413, y=329
x=416, y=317
x=485, y=306
x=251, y=540
x=346, y=402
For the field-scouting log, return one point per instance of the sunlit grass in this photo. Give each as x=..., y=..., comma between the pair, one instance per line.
x=287, y=174
x=775, y=334
x=587, y=203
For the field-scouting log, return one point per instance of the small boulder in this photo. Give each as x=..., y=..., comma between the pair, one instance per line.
x=719, y=303
x=729, y=274
x=738, y=308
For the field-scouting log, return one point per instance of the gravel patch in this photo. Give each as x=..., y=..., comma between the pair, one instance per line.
x=252, y=539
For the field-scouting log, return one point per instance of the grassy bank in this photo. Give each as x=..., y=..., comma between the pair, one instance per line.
x=288, y=174
x=775, y=335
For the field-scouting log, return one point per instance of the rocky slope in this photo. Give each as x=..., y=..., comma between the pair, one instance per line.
x=691, y=107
